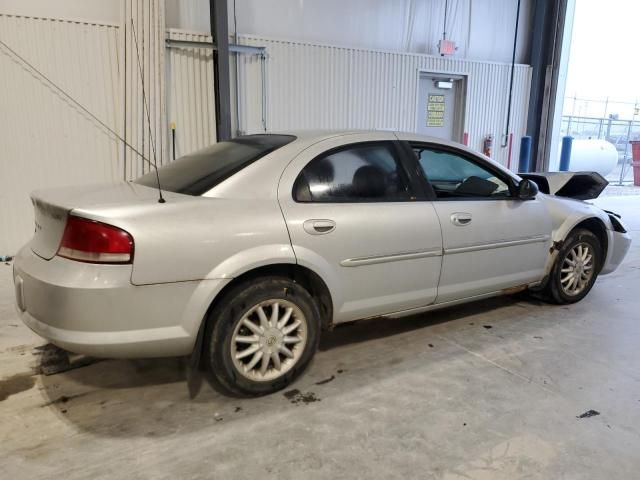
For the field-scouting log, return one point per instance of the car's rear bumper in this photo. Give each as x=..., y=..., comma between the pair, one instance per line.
x=157, y=342
x=95, y=310
x=618, y=246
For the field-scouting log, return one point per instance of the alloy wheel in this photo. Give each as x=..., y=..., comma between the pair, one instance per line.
x=269, y=340
x=577, y=269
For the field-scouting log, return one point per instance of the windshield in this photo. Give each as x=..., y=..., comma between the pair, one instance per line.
x=199, y=172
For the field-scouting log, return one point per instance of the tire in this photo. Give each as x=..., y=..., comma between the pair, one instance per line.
x=243, y=347
x=566, y=283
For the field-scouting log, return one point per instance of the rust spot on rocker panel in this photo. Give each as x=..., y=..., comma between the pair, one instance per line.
x=512, y=290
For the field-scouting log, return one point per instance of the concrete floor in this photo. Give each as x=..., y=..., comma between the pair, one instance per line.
x=491, y=390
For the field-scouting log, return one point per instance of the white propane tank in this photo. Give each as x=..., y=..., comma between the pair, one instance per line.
x=593, y=156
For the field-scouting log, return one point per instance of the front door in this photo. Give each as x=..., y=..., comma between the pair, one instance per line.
x=440, y=102
x=492, y=240
x=354, y=219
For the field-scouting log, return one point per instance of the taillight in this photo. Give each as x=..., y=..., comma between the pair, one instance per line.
x=95, y=242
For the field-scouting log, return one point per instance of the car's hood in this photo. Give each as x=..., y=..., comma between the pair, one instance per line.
x=578, y=185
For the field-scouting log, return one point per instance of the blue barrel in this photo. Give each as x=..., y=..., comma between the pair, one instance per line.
x=525, y=155
x=565, y=153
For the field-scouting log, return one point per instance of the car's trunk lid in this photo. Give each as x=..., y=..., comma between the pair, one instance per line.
x=52, y=206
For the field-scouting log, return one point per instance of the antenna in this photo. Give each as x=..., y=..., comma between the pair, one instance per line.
x=146, y=107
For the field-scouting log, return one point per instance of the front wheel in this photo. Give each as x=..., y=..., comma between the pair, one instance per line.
x=261, y=337
x=576, y=267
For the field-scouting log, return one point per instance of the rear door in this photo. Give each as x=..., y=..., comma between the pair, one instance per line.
x=492, y=240
x=354, y=217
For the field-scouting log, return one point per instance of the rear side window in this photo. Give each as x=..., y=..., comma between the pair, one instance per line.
x=359, y=173
x=199, y=172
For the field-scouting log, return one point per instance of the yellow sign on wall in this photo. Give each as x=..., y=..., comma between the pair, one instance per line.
x=435, y=111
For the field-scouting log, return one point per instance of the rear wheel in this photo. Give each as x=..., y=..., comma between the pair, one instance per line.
x=261, y=337
x=576, y=267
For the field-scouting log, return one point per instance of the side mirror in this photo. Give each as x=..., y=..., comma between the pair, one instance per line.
x=527, y=189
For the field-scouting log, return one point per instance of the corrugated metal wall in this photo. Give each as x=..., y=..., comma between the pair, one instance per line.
x=482, y=29
x=191, y=105
x=47, y=140
x=320, y=86
x=143, y=45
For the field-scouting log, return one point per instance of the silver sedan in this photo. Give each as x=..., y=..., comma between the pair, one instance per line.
x=265, y=240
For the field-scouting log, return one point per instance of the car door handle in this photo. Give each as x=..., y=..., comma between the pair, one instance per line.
x=461, y=219
x=319, y=227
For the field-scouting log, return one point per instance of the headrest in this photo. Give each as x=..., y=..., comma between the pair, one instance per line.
x=369, y=182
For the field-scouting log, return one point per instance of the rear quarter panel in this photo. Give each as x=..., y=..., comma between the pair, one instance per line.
x=196, y=238
x=233, y=228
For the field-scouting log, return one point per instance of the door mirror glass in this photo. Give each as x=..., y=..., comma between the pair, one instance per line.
x=527, y=189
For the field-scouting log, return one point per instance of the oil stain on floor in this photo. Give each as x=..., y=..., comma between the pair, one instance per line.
x=15, y=384
x=297, y=397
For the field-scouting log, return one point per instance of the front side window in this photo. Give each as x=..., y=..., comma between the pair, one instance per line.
x=359, y=173
x=452, y=175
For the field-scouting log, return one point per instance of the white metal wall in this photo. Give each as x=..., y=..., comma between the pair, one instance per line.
x=482, y=29
x=47, y=140
x=144, y=84
x=321, y=86
x=191, y=105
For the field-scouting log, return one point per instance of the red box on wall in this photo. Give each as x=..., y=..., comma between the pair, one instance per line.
x=635, y=155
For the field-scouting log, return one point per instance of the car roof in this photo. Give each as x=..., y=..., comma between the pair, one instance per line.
x=317, y=135
x=321, y=134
